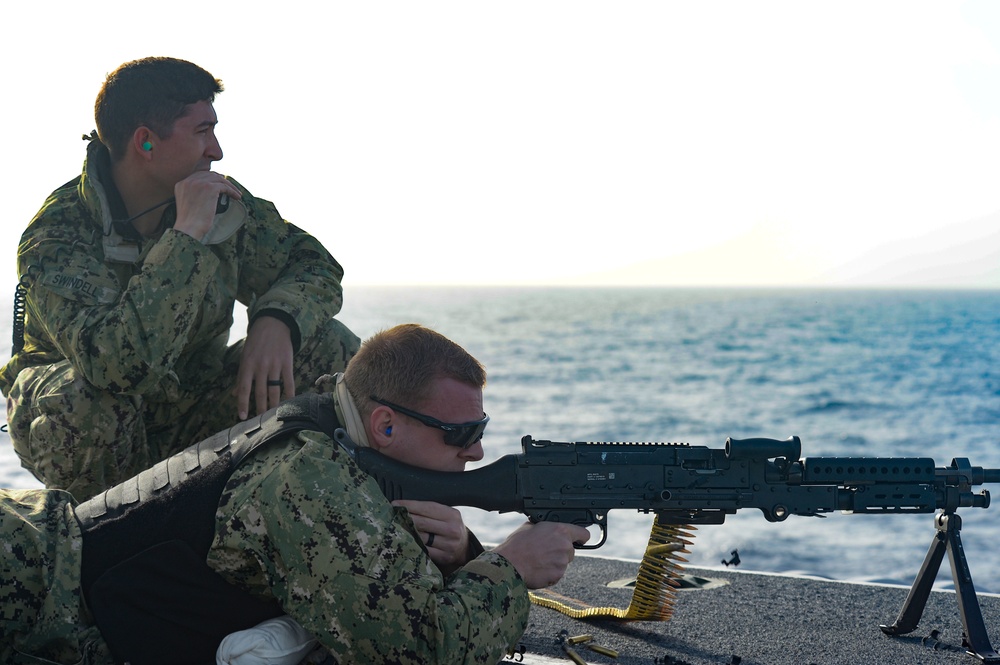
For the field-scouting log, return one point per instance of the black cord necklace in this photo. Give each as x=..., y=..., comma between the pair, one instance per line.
x=127, y=230
x=146, y=211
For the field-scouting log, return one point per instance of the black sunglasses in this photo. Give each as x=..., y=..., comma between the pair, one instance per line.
x=461, y=435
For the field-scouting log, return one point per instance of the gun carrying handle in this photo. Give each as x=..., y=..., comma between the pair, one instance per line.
x=761, y=448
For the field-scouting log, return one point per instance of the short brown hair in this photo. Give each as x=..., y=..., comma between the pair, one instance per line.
x=151, y=92
x=400, y=363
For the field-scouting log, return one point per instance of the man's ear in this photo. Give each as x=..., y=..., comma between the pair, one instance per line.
x=144, y=142
x=380, y=426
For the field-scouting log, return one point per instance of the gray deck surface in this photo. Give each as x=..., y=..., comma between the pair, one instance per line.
x=756, y=619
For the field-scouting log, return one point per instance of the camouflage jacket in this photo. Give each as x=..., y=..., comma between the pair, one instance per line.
x=144, y=316
x=300, y=523
x=313, y=531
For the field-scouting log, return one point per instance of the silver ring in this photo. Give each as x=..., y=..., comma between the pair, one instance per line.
x=274, y=383
x=430, y=539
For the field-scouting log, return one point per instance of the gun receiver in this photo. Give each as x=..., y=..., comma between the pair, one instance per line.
x=682, y=484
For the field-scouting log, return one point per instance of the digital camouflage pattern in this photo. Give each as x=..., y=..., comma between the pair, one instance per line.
x=298, y=522
x=312, y=530
x=125, y=363
x=42, y=614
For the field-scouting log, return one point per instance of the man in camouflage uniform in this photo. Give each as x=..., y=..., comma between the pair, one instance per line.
x=128, y=278
x=299, y=523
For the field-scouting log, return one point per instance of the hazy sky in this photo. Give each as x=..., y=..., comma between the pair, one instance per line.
x=556, y=142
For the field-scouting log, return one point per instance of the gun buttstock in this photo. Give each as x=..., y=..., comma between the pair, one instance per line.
x=491, y=487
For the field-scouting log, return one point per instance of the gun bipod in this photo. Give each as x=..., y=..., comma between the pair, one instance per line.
x=947, y=539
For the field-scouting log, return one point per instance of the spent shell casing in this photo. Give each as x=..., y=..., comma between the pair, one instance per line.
x=573, y=655
x=607, y=651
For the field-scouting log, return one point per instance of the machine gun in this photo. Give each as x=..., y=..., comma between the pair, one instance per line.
x=683, y=484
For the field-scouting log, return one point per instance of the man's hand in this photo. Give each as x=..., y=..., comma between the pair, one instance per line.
x=197, y=197
x=540, y=552
x=441, y=528
x=266, y=361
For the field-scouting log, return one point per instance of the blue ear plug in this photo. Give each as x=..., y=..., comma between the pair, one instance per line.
x=388, y=431
x=147, y=146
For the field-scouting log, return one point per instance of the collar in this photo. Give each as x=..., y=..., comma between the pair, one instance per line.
x=122, y=243
x=347, y=411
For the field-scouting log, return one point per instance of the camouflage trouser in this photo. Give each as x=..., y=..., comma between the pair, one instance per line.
x=42, y=614
x=72, y=436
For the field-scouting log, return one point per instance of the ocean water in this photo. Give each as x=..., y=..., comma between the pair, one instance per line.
x=852, y=372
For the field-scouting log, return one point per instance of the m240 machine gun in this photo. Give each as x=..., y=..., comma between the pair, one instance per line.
x=683, y=484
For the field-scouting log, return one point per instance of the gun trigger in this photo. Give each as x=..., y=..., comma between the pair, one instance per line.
x=604, y=539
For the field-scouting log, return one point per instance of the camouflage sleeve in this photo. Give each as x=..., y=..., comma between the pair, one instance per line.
x=317, y=534
x=122, y=340
x=287, y=270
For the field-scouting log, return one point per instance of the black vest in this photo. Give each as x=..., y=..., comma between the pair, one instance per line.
x=145, y=541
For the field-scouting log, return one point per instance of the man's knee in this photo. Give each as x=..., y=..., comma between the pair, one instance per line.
x=327, y=352
x=345, y=341
x=68, y=433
